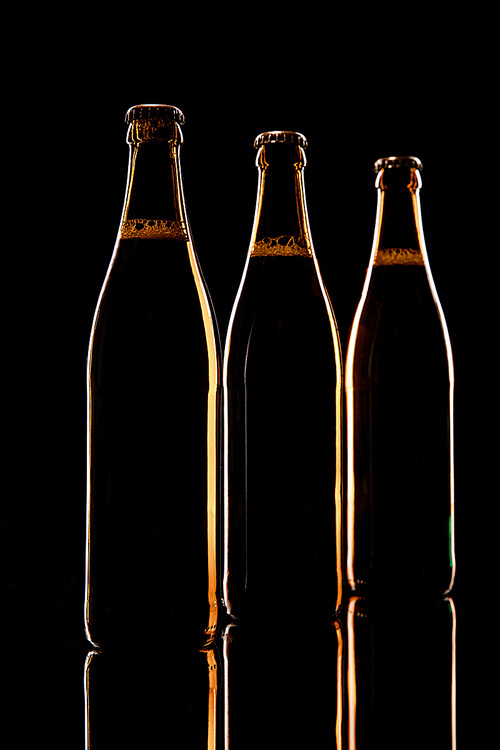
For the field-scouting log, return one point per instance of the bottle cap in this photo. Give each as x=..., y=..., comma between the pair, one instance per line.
x=280, y=136
x=390, y=162
x=163, y=112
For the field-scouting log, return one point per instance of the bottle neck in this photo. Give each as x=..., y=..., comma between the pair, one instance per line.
x=154, y=200
x=281, y=226
x=398, y=238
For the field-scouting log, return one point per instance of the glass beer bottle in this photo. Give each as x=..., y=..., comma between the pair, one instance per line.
x=153, y=399
x=282, y=386
x=399, y=384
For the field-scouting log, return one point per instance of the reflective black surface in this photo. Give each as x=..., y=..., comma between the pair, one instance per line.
x=401, y=674
x=143, y=698
x=283, y=687
x=383, y=675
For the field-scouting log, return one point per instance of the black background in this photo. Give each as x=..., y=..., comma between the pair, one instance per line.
x=394, y=86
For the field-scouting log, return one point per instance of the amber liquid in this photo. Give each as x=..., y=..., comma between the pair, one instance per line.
x=150, y=378
x=282, y=427
x=399, y=424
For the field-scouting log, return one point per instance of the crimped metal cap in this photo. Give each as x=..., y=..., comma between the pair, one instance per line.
x=280, y=136
x=390, y=162
x=163, y=112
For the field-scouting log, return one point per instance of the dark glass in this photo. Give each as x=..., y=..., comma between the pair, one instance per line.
x=282, y=398
x=153, y=413
x=399, y=379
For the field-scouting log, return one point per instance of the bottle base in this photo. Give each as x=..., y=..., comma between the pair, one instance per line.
x=384, y=591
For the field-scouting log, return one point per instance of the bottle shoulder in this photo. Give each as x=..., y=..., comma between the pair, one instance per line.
x=282, y=309
x=152, y=292
x=281, y=286
x=145, y=271
x=403, y=294
x=399, y=324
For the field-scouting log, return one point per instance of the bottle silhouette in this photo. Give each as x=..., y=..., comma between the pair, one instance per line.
x=282, y=390
x=153, y=400
x=399, y=383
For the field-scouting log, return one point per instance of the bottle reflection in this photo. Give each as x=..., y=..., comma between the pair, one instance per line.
x=401, y=677
x=282, y=689
x=148, y=699
x=390, y=683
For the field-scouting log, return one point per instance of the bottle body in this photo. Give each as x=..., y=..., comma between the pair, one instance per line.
x=399, y=379
x=282, y=417
x=153, y=400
